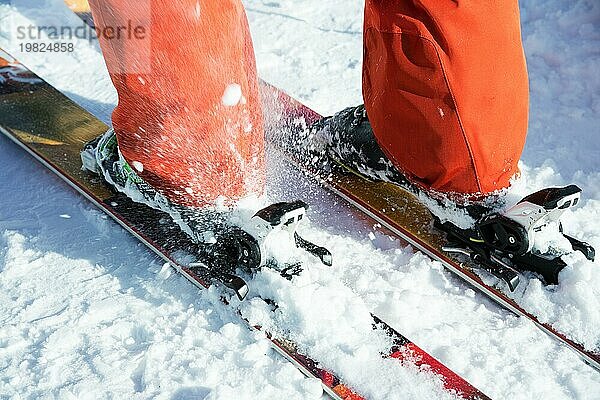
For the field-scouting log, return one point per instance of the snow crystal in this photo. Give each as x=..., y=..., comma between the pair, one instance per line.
x=139, y=167
x=232, y=95
x=165, y=272
x=197, y=10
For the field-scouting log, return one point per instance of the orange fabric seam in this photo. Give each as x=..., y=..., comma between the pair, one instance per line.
x=462, y=129
x=400, y=31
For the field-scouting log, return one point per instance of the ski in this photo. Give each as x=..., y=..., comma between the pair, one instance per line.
x=54, y=130
x=399, y=210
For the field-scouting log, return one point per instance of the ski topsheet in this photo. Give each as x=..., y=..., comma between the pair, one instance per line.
x=54, y=129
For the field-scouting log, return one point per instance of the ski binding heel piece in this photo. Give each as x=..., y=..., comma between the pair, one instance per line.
x=515, y=230
x=503, y=244
x=237, y=248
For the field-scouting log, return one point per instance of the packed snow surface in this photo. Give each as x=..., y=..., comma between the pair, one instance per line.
x=88, y=312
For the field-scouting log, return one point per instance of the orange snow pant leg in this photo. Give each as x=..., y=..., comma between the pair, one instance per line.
x=446, y=90
x=189, y=116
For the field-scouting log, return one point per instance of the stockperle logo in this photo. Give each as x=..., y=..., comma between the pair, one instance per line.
x=31, y=26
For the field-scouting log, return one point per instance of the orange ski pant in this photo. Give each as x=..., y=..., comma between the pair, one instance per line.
x=446, y=90
x=444, y=84
x=189, y=117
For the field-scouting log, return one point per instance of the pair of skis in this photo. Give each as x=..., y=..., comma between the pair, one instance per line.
x=54, y=130
x=501, y=246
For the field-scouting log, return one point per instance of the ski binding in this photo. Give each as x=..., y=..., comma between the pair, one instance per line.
x=503, y=243
x=243, y=249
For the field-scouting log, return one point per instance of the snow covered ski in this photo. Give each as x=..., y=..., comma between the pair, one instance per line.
x=498, y=244
x=54, y=130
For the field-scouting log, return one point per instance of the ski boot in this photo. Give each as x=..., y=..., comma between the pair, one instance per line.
x=348, y=139
x=228, y=240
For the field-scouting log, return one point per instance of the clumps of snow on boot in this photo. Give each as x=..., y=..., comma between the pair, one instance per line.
x=232, y=95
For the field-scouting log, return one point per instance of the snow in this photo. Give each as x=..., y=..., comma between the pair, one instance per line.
x=88, y=312
x=115, y=330
x=139, y=167
x=232, y=95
